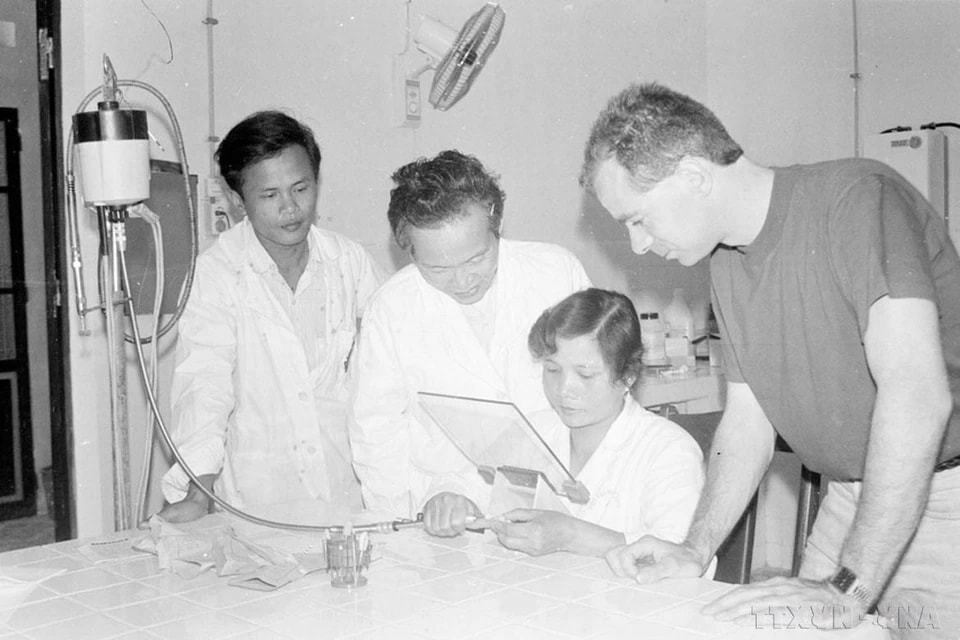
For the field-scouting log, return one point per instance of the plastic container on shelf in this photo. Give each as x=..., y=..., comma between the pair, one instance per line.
x=677, y=316
x=653, y=337
x=646, y=301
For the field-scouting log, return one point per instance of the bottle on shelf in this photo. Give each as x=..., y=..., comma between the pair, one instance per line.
x=653, y=338
x=679, y=321
x=678, y=317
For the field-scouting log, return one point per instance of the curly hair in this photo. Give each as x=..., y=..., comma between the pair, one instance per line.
x=261, y=135
x=609, y=316
x=649, y=128
x=429, y=192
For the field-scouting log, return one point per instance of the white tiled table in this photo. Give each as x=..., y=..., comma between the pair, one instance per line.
x=419, y=587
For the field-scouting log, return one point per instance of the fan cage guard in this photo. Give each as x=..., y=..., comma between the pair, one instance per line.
x=463, y=62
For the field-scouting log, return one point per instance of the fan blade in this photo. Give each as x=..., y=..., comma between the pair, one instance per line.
x=462, y=63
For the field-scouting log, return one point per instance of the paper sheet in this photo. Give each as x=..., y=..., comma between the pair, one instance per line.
x=249, y=565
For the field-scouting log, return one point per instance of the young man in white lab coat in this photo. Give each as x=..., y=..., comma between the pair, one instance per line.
x=259, y=391
x=455, y=322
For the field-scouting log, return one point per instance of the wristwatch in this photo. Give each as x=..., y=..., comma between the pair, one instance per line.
x=846, y=582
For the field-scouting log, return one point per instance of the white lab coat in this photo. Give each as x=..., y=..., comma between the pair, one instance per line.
x=416, y=338
x=245, y=404
x=645, y=478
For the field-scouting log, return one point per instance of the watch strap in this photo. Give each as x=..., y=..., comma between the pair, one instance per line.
x=846, y=582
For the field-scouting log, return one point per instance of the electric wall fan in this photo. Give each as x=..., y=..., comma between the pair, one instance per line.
x=461, y=55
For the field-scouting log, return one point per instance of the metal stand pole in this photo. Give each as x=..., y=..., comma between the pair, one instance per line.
x=119, y=414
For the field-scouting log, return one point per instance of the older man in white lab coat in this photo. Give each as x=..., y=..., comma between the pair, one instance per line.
x=260, y=387
x=455, y=322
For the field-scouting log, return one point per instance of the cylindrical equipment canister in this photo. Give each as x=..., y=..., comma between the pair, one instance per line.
x=114, y=156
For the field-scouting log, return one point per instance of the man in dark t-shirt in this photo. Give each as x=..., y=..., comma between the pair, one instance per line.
x=837, y=292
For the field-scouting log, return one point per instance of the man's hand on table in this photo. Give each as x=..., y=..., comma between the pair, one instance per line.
x=445, y=514
x=775, y=603
x=786, y=603
x=194, y=506
x=650, y=559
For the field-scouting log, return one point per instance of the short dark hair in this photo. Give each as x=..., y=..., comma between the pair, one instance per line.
x=607, y=315
x=429, y=192
x=648, y=129
x=264, y=134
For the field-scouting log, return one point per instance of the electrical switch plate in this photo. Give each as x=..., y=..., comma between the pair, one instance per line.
x=411, y=102
x=405, y=94
x=217, y=217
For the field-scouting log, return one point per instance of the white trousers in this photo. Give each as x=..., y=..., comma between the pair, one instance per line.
x=922, y=599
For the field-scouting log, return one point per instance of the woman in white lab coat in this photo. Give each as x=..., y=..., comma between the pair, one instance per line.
x=455, y=322
x=644, y=473
x=260, y=383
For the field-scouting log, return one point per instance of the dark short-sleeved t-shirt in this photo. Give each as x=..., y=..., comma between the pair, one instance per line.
x=793, y=306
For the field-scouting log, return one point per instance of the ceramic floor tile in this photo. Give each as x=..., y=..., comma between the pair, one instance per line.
x=24, y=556
x=457, y=561
x=118, y=595
x=561, y=561
x=520, y=632
x=511, y=605
x=577, y=620
x=76, y=581
x=332, y=623
x=92, y=627
x=260, y=634
x=510, y=573
x=328, y=595
x=453, y=589
x=647, y=631
x=139, y=634
x=687, y=616
x=66, y=547
x=36, y=593
x=566, y=586
x=153, y=612
x=273, y=608
x=602, y=571
x=386, y=633
x=688, y=588
x=37, y=614
x=468, y=540
x=391, y=605
x=214, y=625
x=135, y=568
x=403, y=546
x=402, y=575
x=493, y=548
x=449, y=623
x=216, y=597
x=57, y=562
x=632, y=602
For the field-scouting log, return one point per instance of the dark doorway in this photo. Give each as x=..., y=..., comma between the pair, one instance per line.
x=36, y=375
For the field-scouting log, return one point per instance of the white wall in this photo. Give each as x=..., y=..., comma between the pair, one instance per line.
x=777, y=72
